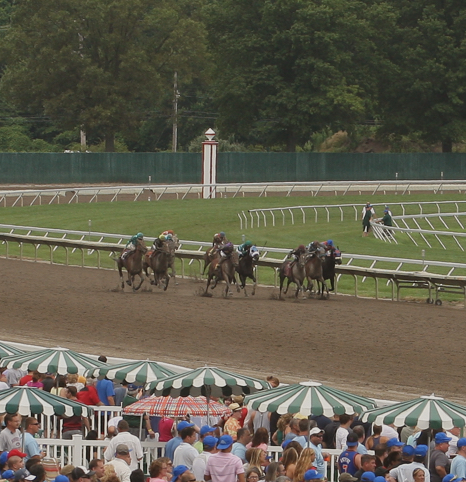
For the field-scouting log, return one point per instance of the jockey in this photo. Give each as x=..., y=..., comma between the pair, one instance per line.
x=225, y=252
x=170, y=231
x=296, y=253
x=327, y=245
x=243, y=249
x=218, y=243
x=132, y=244
x=317, y=248
x=158, y=242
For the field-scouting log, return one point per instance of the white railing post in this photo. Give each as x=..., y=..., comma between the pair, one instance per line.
x=77, y=450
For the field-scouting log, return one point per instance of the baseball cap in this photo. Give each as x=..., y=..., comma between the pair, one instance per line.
x=394, y=442
x=133, y=387
x=210, y=441
x=368, y=477
x=67, y=469
x=315, y=431
x=234, y=407
x=381, y=471
x=421, y=450
x=3, y=458
x=461, y=442
x=441, y=438
x=352, y=440
x=17, y=453
x=345, y=477
x=408, y=450
x=8, y=474
x=312, y=475
x=224, y=442
x=183, y=424
x=81, y=471
x=121, y=449
x=379, y=478
x=451, y=478
x=23, y=474
x=61, y=478
x=300, y=416
x=285, y=443
x=178, y=471
x=206, y=429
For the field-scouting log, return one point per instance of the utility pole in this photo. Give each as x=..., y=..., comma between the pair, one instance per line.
x=176, y=96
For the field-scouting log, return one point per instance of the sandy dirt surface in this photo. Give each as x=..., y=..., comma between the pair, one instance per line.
x=382, y=349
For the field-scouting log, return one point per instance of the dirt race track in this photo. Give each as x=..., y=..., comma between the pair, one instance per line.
x=377, y=348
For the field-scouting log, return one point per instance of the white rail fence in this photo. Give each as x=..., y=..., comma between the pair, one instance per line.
x=254, y=218
x=155, y=192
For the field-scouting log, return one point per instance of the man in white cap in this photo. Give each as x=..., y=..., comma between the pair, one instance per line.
x=129, y=440
x=232, y=425
x=121, y=463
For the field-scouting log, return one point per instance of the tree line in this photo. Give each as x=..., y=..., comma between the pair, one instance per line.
x=265, y=74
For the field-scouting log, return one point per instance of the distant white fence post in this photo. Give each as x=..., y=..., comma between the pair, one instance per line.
x=209, y=165
x=77, y=450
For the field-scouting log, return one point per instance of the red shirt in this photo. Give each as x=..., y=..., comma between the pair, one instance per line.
x=25, y=379
x=88, y=396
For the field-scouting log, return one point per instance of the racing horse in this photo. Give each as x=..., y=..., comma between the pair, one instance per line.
x=132, y=262
x=226, y=272
x=328, y=268
x=246, y=267
x=158, y=261
x=314, y=271
x=294, y=272
x=173, y=244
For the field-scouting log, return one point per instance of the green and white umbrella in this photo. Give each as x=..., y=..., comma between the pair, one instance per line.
x=308, y=398
x=52, y=360
x=7, y=350
x=139, y=372
x=208, y=382
x=424, y=412
x=29, y=401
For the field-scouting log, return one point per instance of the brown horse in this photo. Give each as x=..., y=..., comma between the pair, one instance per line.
x=314, y=270
x=173, y=244
x=294, y=274
x=158, y=261
x=225, y=272
x=246, y=267
x=208, y=257
x=133, y=264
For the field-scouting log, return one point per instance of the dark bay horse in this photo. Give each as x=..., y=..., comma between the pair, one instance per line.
x=246, y=267
x=294, y=274
x=133, y=264
x=314, y=271
x=158, y=261
x=173, y=244
x=328, y=268
x=226, y=273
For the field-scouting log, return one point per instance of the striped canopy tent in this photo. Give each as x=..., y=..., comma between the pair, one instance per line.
x=208, y=382
x=52, y=360
x=424, y=412
x=7, y=350
x=308, y=398
x=139, y=372
x=29, y=401
x=176, y=407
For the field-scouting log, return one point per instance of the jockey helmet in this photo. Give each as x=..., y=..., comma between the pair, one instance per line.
x=139, y=235
x=301, y=247
x=162, y=237
x=222, y=234
x=170, y=231
x=330, y=242
x=168, y=236
x=248, y=243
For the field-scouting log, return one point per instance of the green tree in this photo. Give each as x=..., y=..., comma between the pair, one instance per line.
x=99, y=65
x=422, y=84
x=287, y=68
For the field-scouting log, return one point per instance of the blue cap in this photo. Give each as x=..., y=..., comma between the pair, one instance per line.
x=133, y=387
x=206, y=429
x=9, y=474
x=178, y=471
x=61, y=478
x=379, y=478
x=421, y=450
x=450, y=478
x=394, y=442
x=183, y=424
x=312, y=475
x=224, y=442
x=442, y=438
x=3, y=457
x=368, y=477
x=285, y=443
x=210, y=441
x=408, y=450
x=330, y=242
x=461, y=442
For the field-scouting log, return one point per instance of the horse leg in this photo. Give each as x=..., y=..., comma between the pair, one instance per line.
x=281, y=286
x=122, y=281
x=254, y=285
x=236, y=283
x=129, y=280
x=142, y=281
x=166, y=282
x=332, y=283
x=287, y=286
x=324, y=287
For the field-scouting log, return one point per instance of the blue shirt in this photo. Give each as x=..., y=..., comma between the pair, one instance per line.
x=104, y=390
x=171, y=446
x=239, y=450
x=319, y=462
x=31, y=447
x=458, y=467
